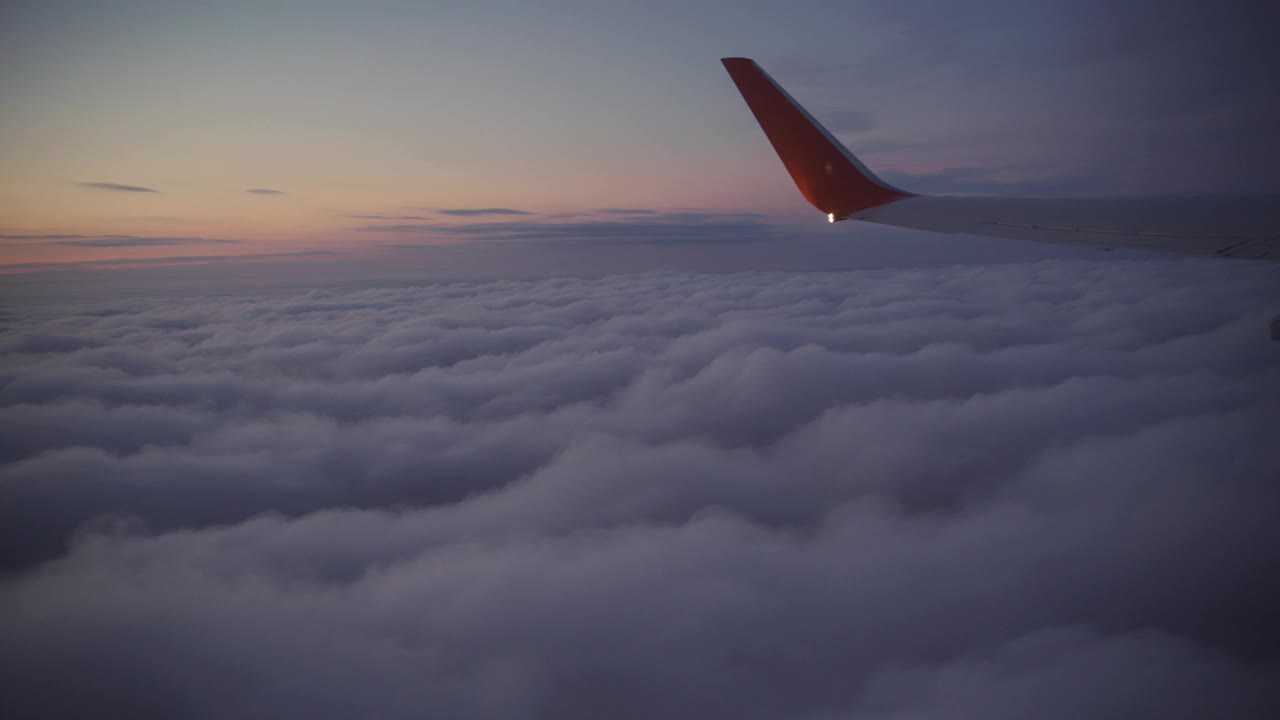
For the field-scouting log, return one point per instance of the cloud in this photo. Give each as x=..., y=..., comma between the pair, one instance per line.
x=117, y=187
x=1037, y=489
x=627, y=211
x=470, y=212
x=387, y=217
x=653, y=228
x=117, y=263
x=974, y=180
x=265, y=191
x=104, y=241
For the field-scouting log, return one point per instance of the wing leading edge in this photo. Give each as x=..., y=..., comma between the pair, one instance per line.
x=838, y=184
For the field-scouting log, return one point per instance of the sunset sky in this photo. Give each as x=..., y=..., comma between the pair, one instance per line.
x=162, y=129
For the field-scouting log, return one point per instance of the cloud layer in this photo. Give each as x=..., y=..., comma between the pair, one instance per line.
x=1032, y=490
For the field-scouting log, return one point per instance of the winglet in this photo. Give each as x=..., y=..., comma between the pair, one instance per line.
x=828, y=175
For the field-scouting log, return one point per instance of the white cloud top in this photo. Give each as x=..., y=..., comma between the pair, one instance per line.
x=1038, y=490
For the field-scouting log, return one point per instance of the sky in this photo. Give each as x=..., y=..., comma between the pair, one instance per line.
x=480, y=360
x=162, y=129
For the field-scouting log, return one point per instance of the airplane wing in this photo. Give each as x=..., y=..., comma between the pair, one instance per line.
x=838, y=184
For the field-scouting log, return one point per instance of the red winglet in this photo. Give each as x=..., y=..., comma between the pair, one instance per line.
x=828, y=175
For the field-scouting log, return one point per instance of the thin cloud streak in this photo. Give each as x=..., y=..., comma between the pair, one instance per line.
x=103, y=241
x=265, y=191
x=974, y=180
x=55, y=265
x=680, y=228
x=46, y=237
x=472, y=212
x=385, y=217
x=117, y=187
x=135, y=241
